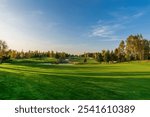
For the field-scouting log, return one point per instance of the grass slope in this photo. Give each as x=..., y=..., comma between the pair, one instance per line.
x=90, y=81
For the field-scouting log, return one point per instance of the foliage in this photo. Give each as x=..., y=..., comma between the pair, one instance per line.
x=135, y=48
x=3, y=49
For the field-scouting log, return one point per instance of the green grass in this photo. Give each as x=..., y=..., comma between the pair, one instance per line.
x=87, y=81
x=80, y=60
x=34, y=60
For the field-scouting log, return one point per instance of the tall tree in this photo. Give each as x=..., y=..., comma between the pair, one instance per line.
x=146, y=50
x=121, y=51
x=112, y=56
x=133, y=47
x=107, y=56
x=3, y=48
x=116, y=54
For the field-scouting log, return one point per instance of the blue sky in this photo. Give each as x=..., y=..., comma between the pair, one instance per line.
x=73, y=26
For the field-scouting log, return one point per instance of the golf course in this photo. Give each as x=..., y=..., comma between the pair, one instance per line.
x=38, y=80
x=74, y=50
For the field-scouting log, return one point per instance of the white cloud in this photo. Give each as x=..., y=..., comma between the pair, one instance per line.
x=108, y=30
x=102, y=31
x=138, y=15
x=132, y=14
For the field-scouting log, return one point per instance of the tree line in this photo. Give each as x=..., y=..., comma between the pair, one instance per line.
x=14, y=54
x=7, y=54
x=135, y=47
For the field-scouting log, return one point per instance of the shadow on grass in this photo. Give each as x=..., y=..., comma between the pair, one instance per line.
x=63, y=87
x=76, y=73
x=58, y=66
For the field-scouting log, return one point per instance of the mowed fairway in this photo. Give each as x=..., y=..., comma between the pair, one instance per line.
x=90, y=81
